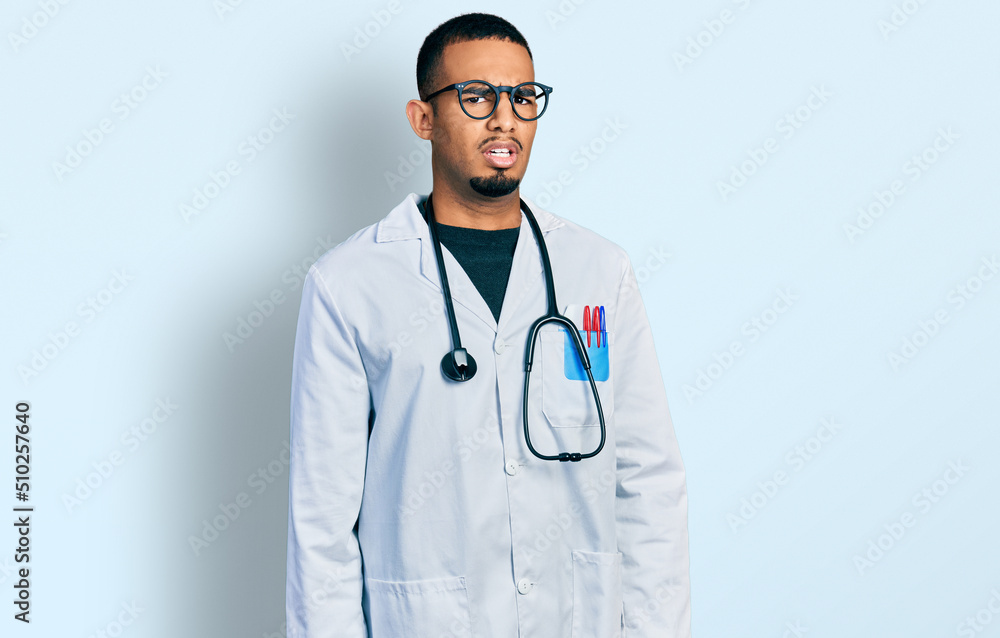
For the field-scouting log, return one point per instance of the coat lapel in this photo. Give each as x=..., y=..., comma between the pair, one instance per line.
x=406, y=222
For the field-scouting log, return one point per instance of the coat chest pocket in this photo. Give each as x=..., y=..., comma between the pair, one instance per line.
x=567, y=398
x=434, y=607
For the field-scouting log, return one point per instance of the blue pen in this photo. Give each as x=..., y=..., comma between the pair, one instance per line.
x=604, y=332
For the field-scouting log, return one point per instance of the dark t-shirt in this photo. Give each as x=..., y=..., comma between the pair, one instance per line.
x=485, y=255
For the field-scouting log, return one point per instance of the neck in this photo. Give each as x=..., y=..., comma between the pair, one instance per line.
x=484, y=213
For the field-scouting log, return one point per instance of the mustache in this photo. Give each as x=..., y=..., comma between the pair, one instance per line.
x=498, y=139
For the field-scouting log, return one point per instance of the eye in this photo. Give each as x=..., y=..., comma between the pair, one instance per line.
x=477, y=92
x=525, y=96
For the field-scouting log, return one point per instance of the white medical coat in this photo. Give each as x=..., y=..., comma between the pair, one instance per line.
x=461, y=531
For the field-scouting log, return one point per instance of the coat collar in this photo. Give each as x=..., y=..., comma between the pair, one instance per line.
x=405, y=222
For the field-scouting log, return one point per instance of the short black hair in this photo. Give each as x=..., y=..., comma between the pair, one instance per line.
x=463, y=28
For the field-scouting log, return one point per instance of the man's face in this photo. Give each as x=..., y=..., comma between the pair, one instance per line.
x=462, y=144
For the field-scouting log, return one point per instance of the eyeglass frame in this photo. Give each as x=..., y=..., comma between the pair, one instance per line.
x=509, y=90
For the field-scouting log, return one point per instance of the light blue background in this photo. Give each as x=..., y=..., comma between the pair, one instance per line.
x=708, y=265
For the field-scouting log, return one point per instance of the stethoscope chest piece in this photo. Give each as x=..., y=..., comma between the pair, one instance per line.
x=458, y=365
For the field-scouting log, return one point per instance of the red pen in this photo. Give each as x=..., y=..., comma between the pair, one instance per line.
x=595, y=323
x=586, y=323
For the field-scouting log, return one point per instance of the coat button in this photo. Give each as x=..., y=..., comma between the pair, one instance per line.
x=524, y=586
x=499, y=346
x=511, y=468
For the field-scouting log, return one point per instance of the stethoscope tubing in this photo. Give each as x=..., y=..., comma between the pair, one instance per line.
x=459, y=365
x=552, y=316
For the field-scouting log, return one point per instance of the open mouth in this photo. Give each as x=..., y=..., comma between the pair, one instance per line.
x=501, y=156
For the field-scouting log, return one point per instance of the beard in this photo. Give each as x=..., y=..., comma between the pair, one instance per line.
x=499, y=184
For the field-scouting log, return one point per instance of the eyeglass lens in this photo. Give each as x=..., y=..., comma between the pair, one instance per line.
x=479, y=99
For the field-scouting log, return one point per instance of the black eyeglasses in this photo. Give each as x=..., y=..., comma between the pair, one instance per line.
x=479, y=98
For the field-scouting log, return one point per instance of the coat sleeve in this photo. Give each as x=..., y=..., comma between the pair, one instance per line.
x=330, y=406
x=651, y=494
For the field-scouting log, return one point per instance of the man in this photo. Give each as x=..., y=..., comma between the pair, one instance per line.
x=416, y=507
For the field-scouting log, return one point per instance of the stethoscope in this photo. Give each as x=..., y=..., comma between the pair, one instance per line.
x=459, y=365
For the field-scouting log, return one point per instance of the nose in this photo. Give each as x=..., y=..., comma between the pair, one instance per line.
x=503, y=116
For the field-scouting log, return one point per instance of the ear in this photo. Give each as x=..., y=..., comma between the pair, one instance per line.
x=421, y=117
